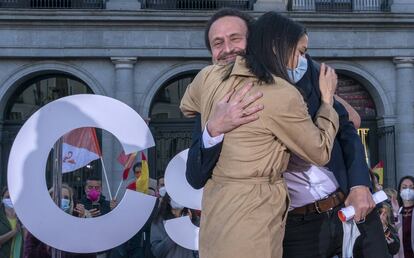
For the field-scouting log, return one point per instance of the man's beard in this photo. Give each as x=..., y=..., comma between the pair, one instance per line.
x=229, y=57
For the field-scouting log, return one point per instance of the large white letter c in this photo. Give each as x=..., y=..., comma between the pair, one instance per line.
x=27, y=184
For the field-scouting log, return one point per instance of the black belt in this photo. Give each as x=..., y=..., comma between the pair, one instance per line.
x=321, y=206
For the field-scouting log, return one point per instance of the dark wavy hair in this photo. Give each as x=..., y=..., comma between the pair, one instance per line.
x=164, y=210
x=271, y=43
x=225, y=12
x=400, y=202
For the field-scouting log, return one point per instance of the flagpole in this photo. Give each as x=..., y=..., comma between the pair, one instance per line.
x=119, y=187
x=106, y=178
x=57, y=182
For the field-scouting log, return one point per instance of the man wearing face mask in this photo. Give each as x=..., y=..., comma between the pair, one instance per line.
x=94, y=203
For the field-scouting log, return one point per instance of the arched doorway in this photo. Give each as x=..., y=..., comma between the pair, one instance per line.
x=29, y=96
x=171, y=130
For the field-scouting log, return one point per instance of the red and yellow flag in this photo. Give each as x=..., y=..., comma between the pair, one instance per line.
x=379, y=170
x=142, y=182
x=127, y=161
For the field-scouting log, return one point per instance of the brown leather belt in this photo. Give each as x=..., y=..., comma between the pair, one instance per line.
x=321, y=206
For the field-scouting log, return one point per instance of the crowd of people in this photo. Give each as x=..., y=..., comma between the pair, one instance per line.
x=151, y=241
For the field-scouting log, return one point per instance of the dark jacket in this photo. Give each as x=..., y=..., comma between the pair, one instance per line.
x=103, y=204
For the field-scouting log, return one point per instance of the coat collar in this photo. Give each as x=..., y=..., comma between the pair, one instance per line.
x=240, y=68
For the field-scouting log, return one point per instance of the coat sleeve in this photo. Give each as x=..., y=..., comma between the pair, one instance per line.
x=350, y=143
x=201, y=161
x=353, y=150
x=286, y=116
x=191, y=101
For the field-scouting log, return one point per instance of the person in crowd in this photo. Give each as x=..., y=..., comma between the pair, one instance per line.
x=392, y=196
x=390, y=233
x=161, y=186
x=245, y=203
x=137, y=173
x=11, y=237
x=152, y=191
x=139, y=244
x=350, y=172
x=405, y=224
x=94, y=203
x=34, y=248
x=162, y=245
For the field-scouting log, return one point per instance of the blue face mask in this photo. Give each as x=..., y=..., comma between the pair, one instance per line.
x=297, y=74
x=8, y=203
x=65, y=205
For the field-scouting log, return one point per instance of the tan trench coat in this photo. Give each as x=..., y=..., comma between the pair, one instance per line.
x=245, y=203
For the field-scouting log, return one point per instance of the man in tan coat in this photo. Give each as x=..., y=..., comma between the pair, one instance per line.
x=223, y=40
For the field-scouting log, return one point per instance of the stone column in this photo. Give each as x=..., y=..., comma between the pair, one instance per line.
x=405, y=115
x=123, y=91
x=270, y=5
x=124, y=79
x=402, y=6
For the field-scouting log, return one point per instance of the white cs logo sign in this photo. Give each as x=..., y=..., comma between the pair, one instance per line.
x=27, y=184
x=182, y=230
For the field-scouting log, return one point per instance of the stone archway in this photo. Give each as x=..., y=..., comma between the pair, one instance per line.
x=171, y=130
x=27, y=90
x=366, y=94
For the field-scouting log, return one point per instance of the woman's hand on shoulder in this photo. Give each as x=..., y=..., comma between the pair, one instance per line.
x=327, y=83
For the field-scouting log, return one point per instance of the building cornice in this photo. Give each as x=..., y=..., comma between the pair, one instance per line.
x=192, y=18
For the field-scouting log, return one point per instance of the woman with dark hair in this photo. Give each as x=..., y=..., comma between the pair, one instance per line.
x=161, y=244
x=405, y=224
x=11, y=238
x=245, y=202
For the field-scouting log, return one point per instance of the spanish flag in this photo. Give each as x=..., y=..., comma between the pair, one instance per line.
x=142, y=182
x=127, y=161
x=379, y=170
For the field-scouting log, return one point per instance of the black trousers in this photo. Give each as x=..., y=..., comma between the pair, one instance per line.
x=320, y=236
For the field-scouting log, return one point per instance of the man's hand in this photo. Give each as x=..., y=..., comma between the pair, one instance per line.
x=361, y=199
x=113, y=204
x=95, y=212
x=233, y=111
x=80, y=209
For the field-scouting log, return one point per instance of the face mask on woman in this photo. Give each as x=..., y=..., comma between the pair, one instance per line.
x=162, y=191
x=296, y=74
x=407, y=194
x=65, y=205
x=8, y=203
